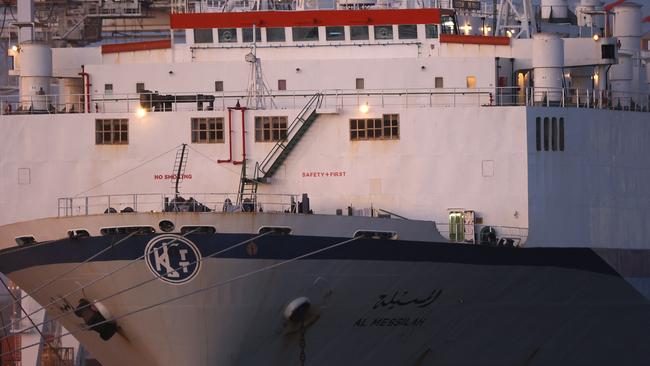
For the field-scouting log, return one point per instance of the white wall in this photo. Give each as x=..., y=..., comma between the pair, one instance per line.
x=595, y=192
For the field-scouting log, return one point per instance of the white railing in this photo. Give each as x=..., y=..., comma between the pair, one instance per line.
x=332, y=98
x=503, y=235
x=208, y=6
x=164, y=202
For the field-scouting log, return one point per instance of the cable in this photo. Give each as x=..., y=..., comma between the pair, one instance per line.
x=43, y=339
x=203, y=289
x=214, y=161
x=81, y=288
x=126, y=171
x=158, y=276
x=50, y=281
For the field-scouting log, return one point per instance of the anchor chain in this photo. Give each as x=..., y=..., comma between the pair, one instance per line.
x=303, y=357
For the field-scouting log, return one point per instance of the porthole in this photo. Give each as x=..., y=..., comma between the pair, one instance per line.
x=166, y=226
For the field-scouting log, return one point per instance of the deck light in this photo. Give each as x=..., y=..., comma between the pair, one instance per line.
x=14, y=48
x=596, y=37
x=140, y=112
x=364, y=108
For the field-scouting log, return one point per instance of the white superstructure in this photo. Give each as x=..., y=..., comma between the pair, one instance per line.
x=372, y=108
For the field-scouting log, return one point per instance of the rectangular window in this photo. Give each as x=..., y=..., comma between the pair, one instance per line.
x=439, y=82
x=471, y=82
x=108, y=89
x=112, y=131
x=227, y=35
x=561, y=133
x=447, y=24
x=270, y=128
x=139, y=87
x=538, y=134
x=218, y=86
x=554, y=134
x=203, y=36
x=334, y=33
x=359, y=83
x=383, y=32
x=247, y=35
x=391, y=126
x=431, y=30
x=407, y=31
x=359, y=33
x=546, y=133
x=304, y=34
x=386, y=128
x=275, y=34
x=207, y=130
x=282, y=84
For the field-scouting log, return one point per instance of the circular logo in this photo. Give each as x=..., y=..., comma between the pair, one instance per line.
x=173, y=258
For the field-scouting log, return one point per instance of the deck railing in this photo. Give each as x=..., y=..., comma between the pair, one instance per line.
x=164, y=202
x=507, y=236
x=332, y=98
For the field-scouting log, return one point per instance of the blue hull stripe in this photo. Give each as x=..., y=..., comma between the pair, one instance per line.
x=286, y=247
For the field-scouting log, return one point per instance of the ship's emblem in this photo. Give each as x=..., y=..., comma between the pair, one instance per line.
x=173, y=258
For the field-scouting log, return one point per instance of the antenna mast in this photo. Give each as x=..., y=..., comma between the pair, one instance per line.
x=520, y=23
x=257, y=92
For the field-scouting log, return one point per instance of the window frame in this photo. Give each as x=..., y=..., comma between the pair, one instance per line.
x=377, y=29
x=373, y=129
x=271, y=128
x=112, y=136
x=341, y=37
x=407, y=33
x=355, y=35
x=275, y=31
x=196, y=130
x=305, y=34
x=202, y=34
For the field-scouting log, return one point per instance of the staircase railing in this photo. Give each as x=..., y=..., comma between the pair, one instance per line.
x=267, y=163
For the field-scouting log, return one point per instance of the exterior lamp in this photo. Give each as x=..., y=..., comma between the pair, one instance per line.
x=364, y=108
x=140, y=112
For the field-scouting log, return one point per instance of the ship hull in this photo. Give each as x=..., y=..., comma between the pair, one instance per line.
x=373, y=302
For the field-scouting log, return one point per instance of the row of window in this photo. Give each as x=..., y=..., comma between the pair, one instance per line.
x=311, y=34
x=549, y=134
x=385, y=128
x=359, y=83
x=211, y=130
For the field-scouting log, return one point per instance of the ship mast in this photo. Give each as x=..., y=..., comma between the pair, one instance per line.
x=257, y=91
x=515, y=21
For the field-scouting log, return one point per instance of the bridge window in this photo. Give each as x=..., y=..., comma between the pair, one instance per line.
x=112, y=131
x=407, y=31
x=447, y=24
x=227, y=35
x=275, y=35
x=247, y=35
x=383, y=32
x=431, y=30
x=304, y=33
x=386, y=128
x=359, y=33
x=334, y=33
x=203, y=36
x=270, y=128
x=207, y=130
